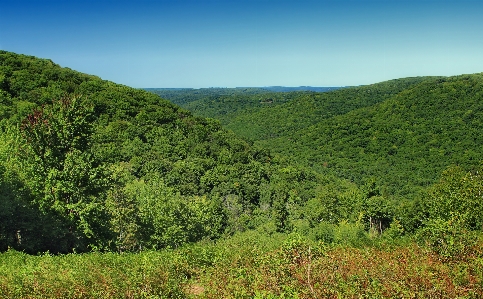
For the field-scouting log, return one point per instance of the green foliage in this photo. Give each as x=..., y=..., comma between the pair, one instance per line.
x=402, y=132
x=394, y=231
x=17, y=216
x=22, y=225
x=303, y=269
x=86, y=164
x=267, y=124
x=62, y=173
x=324, y=232
x=452, y=209
x=146, y=275
x=405, y=141
x=450, y=239
x=224, y=103
x=351, y=234
x=333, y=203
x=457, y=193
x=121, y=168
x=123, y=209
x=173, y=220
x=250, y=264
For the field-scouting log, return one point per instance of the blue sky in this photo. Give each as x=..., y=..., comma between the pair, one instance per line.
x=249, y=43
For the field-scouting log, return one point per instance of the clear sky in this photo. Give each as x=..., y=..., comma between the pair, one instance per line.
x=224, y=43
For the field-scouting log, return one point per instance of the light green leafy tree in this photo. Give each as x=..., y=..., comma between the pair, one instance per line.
x=62, y=173
x=457, y=193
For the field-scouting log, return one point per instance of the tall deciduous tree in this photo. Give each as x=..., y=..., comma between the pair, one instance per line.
x=62, y=172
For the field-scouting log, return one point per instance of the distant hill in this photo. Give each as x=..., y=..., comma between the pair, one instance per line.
x=402, y=132
x=185, y=96
x=301, y=88
x=225, y=103
x=405, y=140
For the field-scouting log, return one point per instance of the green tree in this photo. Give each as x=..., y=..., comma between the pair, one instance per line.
x=168, y=219
x=61, y=171
x=123, y=207
x=457, y=193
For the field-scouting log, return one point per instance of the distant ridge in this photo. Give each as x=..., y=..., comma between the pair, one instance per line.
x=269, y=88
x=402, y=132
x=301, y=88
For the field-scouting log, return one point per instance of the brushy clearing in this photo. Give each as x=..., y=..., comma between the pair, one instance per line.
x=247, y=266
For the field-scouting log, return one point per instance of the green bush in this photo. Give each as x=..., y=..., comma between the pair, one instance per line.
x=450, y=239
x=324, y=232
x=352, y=234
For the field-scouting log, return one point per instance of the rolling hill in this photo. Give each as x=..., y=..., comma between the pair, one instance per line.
x=90, y=164
x=403, y=133
x=348, y=193
x=404, y=141
x=102, y=165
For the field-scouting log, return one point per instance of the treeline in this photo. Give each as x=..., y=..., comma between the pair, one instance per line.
x=224, y=104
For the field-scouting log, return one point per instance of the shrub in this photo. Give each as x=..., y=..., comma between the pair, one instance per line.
x=450, y=239
x=324, y=232
x=352, y=234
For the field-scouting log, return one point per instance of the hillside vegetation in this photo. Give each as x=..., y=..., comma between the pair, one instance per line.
x=246, y=266
x=89, y=164
x=371, y=191
x=225, y=103
x=310, y=108
x=401, y=133
x=405, y=141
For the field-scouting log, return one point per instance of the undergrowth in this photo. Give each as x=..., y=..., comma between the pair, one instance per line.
x=249, y=265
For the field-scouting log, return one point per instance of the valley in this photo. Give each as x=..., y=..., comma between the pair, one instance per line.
x=116, y=192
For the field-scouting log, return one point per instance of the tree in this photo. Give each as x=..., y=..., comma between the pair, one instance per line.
x=458, y=193
x=61, y=171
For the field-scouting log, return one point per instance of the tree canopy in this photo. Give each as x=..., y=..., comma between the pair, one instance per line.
x=87, y=164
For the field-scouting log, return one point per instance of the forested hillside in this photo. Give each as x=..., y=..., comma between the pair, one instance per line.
x=185, y=96
x=368, y=191
x=401, y=133
x=225, y=104
x=311, y=108
x=259, y=114
x=86, y=163
x=405, y=141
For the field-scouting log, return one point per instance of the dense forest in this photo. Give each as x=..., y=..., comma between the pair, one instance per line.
x=224, y=104
x=104, y=166
x=401, y=133
x=240, y=193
